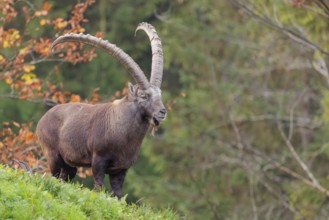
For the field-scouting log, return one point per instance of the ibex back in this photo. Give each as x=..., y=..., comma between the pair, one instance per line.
x=108, y=136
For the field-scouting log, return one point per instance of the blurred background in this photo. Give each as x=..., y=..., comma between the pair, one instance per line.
x=245, y=83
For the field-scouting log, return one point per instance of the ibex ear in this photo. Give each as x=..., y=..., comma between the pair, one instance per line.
x=131, y=88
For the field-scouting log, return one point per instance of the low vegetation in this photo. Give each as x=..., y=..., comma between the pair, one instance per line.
x=31, y=196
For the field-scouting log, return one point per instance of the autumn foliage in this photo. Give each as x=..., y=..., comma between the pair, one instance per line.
x=22, y=50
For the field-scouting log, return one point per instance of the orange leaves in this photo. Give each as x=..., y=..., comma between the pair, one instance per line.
x=99, y=35
x=3, y=61
x=95, y=96
x=19, y=142
x=9, y=38
x=73, y=25
x=16, y=124
x=78, y=16
x=44, y=11
x=41, y=13
x=83, y=172
x=42, y=46
x=25, y=50
x=61, y=97
x=22, y=52
x=43, y=22
x=28, y=68
x=29, y=137
x=47, y=6
x=8, y=80
x=27, y=85
x=75, y=22
x=29, y=78
x=75, y=98
x=75, y=57
x=60, y=23
x=7, y=11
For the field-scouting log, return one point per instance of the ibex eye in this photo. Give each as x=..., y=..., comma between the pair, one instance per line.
x=143, y=95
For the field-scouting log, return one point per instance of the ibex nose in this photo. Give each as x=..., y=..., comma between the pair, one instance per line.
x=163, y=111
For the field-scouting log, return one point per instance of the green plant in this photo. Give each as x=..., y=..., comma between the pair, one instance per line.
x=31, y=196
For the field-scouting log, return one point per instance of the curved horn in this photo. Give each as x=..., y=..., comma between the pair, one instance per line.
x=157, y=53
x=131, y=66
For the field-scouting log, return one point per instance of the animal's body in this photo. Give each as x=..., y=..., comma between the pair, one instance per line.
x=106, y=137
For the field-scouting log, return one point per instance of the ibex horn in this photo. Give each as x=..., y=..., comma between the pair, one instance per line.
x=131, y=66
x=157, y=53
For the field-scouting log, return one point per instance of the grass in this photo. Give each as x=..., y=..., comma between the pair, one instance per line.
x=31, y=196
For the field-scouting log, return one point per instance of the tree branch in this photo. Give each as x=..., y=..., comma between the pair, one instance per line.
x=278, y=26
x=11, y=96
x=314, y=181
x=292, y=110
x=277, y=194
x=249, y=166
x=325, y=6
x=47, y=102
x=204, y=194
x=252, y=151
x=252, y=198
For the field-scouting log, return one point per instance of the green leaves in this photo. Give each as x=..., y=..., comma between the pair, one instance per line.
x=24, y=196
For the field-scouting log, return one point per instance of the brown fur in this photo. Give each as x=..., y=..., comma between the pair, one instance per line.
x=106, y=137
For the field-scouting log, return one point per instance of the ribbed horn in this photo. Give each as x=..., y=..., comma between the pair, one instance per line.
x=157, y=53
x=117, y=53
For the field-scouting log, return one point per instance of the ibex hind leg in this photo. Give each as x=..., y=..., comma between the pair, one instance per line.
x=56, y=163
x=59, y=168
x=68, y=172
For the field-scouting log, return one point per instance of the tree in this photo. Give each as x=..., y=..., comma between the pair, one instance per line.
x=245, y=139
x=25, y=71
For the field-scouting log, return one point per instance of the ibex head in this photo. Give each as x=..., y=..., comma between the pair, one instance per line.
x=149, y=98
x=146, y=94
x=149, y=101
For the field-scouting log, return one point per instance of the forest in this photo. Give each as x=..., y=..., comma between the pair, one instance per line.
x=245, y=85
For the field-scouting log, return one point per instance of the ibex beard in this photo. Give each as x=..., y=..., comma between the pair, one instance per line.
x=106, y=137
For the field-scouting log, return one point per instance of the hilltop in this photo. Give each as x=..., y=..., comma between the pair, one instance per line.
x=31, y=196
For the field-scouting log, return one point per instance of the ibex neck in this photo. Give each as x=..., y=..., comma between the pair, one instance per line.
x=127, y=116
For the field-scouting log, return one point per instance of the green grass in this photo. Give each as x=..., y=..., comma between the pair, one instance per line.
x=31, y=196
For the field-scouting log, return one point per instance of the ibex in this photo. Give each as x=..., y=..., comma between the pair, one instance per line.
x=106, y=137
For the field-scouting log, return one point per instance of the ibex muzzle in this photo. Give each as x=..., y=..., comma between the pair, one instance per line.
x=108, y=136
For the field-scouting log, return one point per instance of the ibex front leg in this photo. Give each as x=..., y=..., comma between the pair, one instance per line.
x=99, y=166
x=116, y=181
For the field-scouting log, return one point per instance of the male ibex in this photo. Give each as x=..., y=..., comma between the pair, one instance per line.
x=108, y=136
